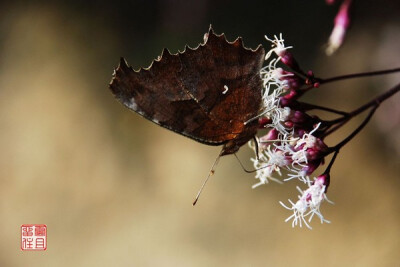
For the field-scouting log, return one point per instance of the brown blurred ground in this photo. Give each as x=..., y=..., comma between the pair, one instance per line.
x=115, y=190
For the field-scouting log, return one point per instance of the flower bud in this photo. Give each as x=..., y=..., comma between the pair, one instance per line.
x=342, y=22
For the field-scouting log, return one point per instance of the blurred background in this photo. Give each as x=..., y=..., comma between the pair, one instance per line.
x=116, y=190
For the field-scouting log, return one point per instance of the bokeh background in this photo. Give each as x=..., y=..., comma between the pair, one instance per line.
x=116, y=190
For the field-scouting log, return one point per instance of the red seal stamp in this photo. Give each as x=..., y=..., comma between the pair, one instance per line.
x=33, y=237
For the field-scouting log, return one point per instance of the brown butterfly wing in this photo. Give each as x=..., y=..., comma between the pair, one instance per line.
x=207, y=93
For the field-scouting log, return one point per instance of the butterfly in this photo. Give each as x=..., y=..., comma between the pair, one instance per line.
x=211, y=94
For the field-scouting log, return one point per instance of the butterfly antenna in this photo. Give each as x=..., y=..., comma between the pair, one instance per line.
x=256, y=147
x=212, y=171
x=278, y=181
x=241, y=164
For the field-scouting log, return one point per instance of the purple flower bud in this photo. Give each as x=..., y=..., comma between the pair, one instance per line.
x=271, y=135
x=342, y=22
x=288, y=124
x=288, y=59
x=285, y=102
x=299, y=132
x=323, y=179
x=262, y=122
x=291, y=95
x=301, y=119
x=282, y=52
x=311, y=167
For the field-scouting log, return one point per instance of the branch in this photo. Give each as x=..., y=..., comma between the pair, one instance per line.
x=357, y=75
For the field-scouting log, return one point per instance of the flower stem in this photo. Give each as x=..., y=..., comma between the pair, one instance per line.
x=374, y=102
x=309, y=106
x=328, y=169
x=356, y=131
x=357, y=75
x=337, y=148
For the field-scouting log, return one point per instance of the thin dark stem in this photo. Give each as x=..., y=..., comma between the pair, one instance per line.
x=312, y=106
x=356, y=131
x=340, y=120
x=328, y=169
x=328, y=132
x=378, y=99
x=357, y=75
x=306, y=89
x=374, y=102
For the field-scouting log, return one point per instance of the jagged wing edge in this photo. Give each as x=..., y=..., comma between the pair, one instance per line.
x=124, y=64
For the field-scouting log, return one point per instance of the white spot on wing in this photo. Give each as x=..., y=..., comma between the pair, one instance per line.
x=132, y=104
x=225, y=89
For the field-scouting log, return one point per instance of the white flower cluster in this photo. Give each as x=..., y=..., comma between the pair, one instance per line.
x=280, y=149
x=308, y=204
